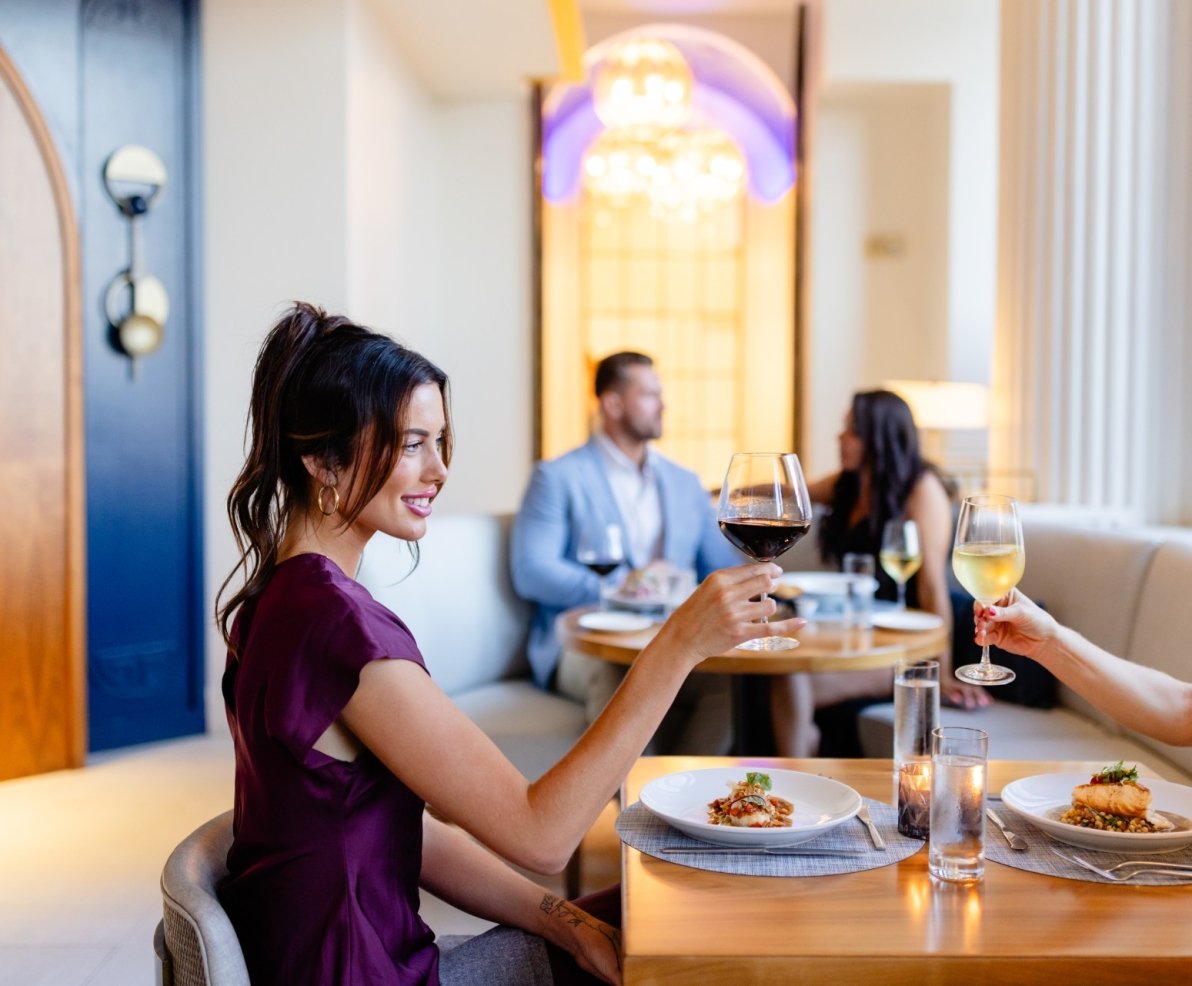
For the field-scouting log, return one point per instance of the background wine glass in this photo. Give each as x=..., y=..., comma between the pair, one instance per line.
x=899, y=555
x=988, y=559
x=602, y=549
x=764, y=511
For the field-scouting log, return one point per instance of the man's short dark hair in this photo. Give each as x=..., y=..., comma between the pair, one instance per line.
x=613, y=371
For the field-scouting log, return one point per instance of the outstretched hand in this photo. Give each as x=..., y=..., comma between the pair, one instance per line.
x=1014, y=623
x=725, y=609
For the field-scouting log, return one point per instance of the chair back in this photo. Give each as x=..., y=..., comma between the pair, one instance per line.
x=201, y=944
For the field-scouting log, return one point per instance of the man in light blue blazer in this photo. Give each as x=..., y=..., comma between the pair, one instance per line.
x=665, y=514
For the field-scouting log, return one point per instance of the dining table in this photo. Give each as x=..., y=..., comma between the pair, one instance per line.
x=824, y=645
x=892, y=923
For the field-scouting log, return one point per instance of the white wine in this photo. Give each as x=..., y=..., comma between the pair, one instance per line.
x=988, y=571
x=900, y=565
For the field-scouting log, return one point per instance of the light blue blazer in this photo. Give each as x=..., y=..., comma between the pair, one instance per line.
x=565, y=492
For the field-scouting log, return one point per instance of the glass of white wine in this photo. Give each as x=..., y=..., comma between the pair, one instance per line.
x=900, y=555
x=988, y=559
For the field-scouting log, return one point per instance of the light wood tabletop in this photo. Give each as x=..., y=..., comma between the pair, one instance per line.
x=893, y=924
x=823, y=646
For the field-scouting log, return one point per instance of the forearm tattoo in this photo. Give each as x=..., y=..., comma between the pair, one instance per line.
x=564, y=910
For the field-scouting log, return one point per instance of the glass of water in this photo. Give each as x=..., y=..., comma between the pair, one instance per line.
x=956, y=844
x=859, y=588
x=916, y=709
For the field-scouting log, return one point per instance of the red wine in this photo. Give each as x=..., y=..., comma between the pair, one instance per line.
x=765, y=540
x=602, y=568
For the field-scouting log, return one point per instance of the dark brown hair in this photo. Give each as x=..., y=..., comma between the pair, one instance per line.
x=323, y=387
x=612, y=371
x=890, y=439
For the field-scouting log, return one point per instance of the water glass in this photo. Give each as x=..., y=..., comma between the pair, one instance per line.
x=916, y=709
x=956, y=843
x=859, y=588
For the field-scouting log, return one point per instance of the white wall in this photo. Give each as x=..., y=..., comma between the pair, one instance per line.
x=334, y=176
x=867, y=45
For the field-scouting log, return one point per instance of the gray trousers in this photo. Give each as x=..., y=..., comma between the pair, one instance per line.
x=499, y=957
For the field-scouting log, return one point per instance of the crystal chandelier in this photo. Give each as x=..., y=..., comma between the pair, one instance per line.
x=643, y=84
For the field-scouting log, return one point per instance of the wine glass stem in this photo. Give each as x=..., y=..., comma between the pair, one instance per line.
x=603, y=595
x=902, y=595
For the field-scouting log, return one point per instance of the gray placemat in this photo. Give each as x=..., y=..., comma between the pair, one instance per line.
x=1042, y=855
x=640, y=828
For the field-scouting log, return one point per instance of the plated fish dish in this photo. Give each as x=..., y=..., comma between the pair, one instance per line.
x=1114, y=801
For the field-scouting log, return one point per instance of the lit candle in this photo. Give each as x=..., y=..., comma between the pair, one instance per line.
x=914, y=798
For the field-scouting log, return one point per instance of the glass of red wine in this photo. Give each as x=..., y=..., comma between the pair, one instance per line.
x=764, y=511
x=602, y=549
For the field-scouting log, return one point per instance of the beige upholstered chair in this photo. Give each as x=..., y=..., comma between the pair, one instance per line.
x=195, y=942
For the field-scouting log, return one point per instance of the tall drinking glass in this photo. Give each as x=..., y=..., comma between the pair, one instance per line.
x=764, y=511
x=900, y=555
x=956, y=843
x=988, y=558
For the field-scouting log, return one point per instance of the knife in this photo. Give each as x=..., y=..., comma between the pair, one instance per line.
x=1016, y=841
x=874, y=834
x=761, y=850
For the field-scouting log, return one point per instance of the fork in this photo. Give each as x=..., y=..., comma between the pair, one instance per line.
x=1141, y=866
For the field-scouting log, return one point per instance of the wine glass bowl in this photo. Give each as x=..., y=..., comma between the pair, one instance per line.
x=988, y=559
x=900, y=556
x=764, y=511
x=601, y=548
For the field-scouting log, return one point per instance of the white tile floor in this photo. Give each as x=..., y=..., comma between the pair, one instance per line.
x=81, y=852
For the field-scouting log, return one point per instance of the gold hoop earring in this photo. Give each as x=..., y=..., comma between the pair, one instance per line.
x=322, y=505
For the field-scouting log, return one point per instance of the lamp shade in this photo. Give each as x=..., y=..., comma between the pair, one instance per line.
x=944, y=405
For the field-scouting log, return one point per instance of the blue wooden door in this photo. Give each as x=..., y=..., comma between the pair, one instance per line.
x=138, y=85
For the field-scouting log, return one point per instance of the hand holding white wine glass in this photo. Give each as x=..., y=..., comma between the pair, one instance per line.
x=602, y=549
x=988, y=559
x=900, y=555
x=764, y=511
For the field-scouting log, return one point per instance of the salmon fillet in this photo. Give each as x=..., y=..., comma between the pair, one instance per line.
x=1125, y=800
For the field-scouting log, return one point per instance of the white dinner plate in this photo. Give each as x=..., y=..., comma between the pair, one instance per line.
x=1042, y=798
x=821, y=583
x=682, y=800
x=611, y=621
x=906, y=619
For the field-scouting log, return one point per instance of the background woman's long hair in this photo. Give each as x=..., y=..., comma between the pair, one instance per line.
x=323, y=387
x=886, y=427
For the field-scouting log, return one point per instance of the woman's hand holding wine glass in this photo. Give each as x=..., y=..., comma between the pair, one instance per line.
x=764, y=511
x=988, y=559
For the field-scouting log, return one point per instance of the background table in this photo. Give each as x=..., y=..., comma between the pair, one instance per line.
x=893, y=924
x=823, y=646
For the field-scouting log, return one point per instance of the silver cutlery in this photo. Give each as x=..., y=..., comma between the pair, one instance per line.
x=761, y=850
x=1140, y=866
x=1016, y=841
x=874, y=834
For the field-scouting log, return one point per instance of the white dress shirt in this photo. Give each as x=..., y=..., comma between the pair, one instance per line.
x=636, y=491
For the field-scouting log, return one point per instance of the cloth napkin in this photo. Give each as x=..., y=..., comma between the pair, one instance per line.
x=640, y=828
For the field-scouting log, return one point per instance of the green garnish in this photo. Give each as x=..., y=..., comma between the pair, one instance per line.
x=761, y=780
x=1119, y=773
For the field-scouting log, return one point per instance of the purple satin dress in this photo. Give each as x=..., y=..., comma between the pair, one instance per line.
x=326, y=856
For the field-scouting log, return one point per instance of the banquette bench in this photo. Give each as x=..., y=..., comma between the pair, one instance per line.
x=1127, y=589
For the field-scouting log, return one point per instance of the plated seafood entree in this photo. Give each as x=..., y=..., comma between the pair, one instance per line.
x=1115, y=801
x=750, y=805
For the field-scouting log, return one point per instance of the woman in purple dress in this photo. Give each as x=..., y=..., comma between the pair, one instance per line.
x=342, y=738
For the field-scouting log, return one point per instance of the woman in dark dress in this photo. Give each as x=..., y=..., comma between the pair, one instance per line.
x=882, y=477
x=342, y=738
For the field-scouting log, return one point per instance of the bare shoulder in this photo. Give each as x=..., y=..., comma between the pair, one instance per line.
x=820, y=490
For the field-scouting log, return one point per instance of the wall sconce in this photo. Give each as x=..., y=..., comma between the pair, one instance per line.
x=134, y=178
